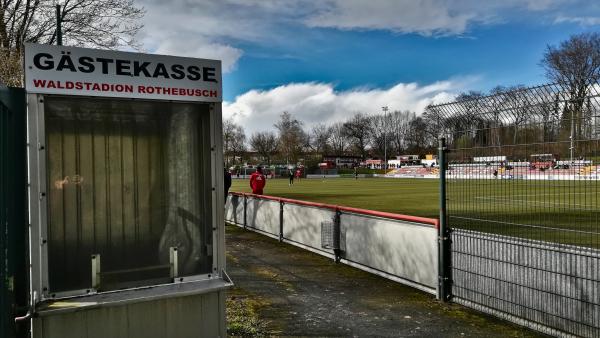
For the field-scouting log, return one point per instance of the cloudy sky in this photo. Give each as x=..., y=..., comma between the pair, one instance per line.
x=325, y=60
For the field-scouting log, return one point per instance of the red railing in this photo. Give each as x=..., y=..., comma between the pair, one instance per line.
x=415, y=219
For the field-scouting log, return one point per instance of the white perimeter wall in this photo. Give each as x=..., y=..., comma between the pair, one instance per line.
x=302, y=224
x=402, y=251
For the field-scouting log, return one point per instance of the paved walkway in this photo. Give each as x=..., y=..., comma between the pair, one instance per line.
x=293, y=292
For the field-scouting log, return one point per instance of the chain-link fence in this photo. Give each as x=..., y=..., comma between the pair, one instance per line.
x=523, y=180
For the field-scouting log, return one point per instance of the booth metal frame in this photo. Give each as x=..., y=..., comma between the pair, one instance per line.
x=40, y=288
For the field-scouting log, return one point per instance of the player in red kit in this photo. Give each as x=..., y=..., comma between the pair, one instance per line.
x=257, y=181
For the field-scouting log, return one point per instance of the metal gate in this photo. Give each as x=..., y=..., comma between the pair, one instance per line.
x=522, y=182
x=13, y=213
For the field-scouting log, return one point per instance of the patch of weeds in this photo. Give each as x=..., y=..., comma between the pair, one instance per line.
x=231, y=257
x=243, y=319
x=485, y=322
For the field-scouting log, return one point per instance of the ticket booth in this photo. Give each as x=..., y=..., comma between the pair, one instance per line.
x=126, y=194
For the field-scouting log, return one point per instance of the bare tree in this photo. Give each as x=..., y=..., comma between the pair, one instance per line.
x=516, y=102
x=228, y=136
x=319, y=137
x=234, y=139
x=358, y=130
x=292, y=138
x=88, y=23
x=238, y=147
x=574, y=64
x=437, y=121
x=11, y=73
x=265, y=144
x=418, y=138
x=338, y=139
x=380, y=134
x=464, y=124
x=400, y=125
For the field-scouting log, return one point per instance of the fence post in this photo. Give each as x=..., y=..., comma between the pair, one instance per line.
x=14, y=288
x=245, y=204
x=281, y=221
x=444, y=240
x=337, y=233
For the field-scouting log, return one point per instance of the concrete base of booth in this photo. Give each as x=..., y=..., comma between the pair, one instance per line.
x=180, y=315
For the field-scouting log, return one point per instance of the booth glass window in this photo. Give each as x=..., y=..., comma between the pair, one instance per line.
x=129, y=200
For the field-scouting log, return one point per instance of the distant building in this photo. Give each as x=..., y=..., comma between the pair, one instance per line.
x=372, y=164
x=394, y=164
x=430, y=160
x=342, y=161
x=408, y=159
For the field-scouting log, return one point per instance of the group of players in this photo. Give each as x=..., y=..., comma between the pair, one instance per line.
x=258, y=180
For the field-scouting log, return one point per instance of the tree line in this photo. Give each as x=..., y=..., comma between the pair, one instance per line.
x=562, y=116
x=360, y=135
x=107, y=24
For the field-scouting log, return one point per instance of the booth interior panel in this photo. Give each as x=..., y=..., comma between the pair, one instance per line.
x=117, y=186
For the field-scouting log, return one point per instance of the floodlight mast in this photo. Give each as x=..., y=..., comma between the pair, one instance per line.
x=385, y=110
x=572, y=139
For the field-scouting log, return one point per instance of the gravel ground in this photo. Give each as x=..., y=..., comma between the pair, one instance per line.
x=293, y=292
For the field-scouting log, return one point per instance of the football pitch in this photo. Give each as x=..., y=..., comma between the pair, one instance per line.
x=416, y=197
x=556, y=211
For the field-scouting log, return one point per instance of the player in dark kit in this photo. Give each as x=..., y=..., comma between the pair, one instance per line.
x=226, y=182
x=291, y=176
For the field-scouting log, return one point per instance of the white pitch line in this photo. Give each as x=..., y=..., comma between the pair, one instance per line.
x=560, y=193
x=508, y=199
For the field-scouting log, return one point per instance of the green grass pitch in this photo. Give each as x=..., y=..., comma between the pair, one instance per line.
x=556, y=211
x=416, y=197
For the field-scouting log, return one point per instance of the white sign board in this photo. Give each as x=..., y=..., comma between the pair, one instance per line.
x=92, y=72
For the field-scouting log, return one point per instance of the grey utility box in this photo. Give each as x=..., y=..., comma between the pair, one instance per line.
x=126, y=194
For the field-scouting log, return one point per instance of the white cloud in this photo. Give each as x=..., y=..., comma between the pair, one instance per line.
x=319, y=102
x=425, y=17
x=204, y=28
x=201, y=48
x=217, y=29
x=583, y=20
x=542, y=5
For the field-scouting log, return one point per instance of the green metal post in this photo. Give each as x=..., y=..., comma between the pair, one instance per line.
x=13, y=212
x=444, y=250
x=245, y=212
x=281, y=221
x=337, y=233
x=6, y=300
x=58, y=26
